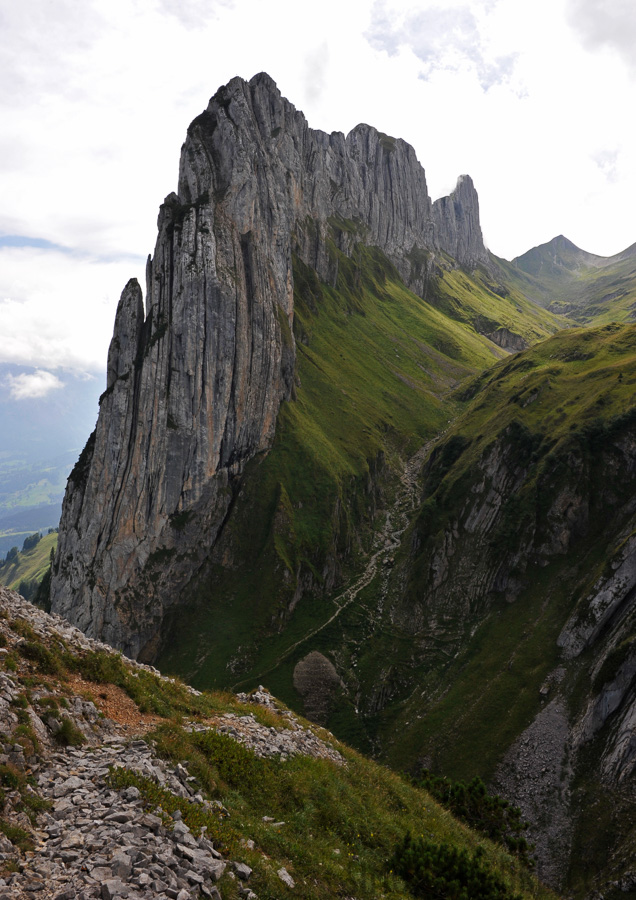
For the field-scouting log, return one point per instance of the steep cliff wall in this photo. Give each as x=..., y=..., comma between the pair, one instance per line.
x=196, y=380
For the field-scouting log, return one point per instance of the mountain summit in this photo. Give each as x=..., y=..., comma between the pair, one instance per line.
x=572, y=282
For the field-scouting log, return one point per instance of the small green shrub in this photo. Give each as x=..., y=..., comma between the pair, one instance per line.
x=48, y=703
x=24, y=629
x=46, y=661
x=10, y=662
x=98, y=666
x=27, y=738
x=10, y=777
x=20, y=702
x=32, y=804
x=69, y=734
x=489, y=814
x=18, y=836
x=447, y=873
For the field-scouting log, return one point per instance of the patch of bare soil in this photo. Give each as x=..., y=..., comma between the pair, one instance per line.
x=114, y=703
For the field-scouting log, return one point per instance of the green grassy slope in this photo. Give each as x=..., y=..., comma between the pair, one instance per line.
x=29, y=565
x=590, y=289
x=487, y=303
x=375, y=368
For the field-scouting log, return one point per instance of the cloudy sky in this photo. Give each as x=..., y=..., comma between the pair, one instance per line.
x=533, y=98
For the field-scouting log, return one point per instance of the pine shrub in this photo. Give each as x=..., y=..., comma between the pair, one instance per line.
x=446, y=872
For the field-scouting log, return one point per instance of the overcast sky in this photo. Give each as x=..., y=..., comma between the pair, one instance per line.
x=534, y=99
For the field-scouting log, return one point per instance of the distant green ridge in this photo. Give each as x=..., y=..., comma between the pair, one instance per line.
x=28, y=567
x=569, y=281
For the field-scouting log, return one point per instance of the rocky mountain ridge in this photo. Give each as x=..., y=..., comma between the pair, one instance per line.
x=196, y=380
x=92, y=839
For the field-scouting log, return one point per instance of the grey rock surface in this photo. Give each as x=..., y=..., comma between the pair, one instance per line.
x=196, y=380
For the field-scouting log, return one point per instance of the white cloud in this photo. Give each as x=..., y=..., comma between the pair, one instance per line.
x=315, y=72
x=37, y=384
x=445, y=37
x=193, y=13
x=610, y=25
x=58, y=309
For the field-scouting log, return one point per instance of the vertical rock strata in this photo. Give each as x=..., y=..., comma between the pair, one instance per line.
x=196, y=381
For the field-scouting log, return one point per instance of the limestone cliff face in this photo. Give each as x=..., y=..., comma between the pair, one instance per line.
x=195, y=381
x=457, y=223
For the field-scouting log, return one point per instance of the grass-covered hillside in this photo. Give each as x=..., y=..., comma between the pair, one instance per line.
x=447, y=645
x=493, y=305
x=318, y=822
x=376, y=367
x=497, y=638
x=23, y=570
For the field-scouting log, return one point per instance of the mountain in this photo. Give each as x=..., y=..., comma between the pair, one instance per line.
x=490, y=630
x=117, y=782
x=318, y=467
x=278, y=233
x=587, y=288
x=505, y=643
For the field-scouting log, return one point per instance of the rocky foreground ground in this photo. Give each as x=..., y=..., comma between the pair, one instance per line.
x=65, y=831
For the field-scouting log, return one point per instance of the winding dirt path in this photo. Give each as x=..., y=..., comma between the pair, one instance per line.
x=385, y=545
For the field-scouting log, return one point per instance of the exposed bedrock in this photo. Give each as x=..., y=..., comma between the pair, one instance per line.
x=196, y=380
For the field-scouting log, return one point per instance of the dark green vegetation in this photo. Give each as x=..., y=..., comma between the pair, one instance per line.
x=587, y=288
x=439, y=870
x=550, y=424
x=487, y=813
x=29, y=803
x=446, y=649
x=338, y=826
x=341, y=823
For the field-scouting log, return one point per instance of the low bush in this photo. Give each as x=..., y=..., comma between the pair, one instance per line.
x=46, y=661
x=69, y=734
x=489, y=814
x=446, y=872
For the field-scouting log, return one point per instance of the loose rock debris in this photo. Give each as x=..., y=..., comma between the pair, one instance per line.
x=94, y=841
